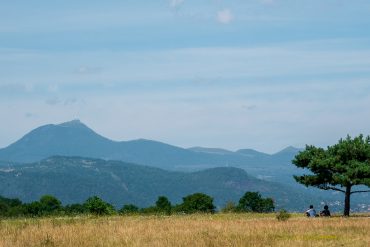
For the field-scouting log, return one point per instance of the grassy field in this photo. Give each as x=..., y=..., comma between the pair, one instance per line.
x=187, y=230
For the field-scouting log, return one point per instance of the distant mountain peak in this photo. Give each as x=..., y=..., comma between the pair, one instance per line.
x=72, y=123
x=289, y=149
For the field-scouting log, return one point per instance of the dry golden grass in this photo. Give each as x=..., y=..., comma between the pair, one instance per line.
x=193, y=230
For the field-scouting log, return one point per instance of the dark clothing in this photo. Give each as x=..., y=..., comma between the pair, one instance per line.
x=325, y=213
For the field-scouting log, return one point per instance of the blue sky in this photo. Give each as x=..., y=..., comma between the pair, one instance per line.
x=260, y=74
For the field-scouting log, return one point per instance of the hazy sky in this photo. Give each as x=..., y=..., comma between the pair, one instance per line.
x=260, y=74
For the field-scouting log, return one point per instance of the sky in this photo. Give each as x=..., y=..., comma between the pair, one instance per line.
x=261, y=74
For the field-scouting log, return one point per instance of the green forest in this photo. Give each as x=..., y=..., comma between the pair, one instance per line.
x=49, y=205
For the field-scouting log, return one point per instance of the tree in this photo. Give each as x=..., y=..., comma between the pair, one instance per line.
x=4, y=207
x=11, y=202
x=163, y=205
x=33, y=208
x=97, y=206
x=339, y=167
x=198, y=202
x=253, y=202
x=50, y=204
x=9, y=206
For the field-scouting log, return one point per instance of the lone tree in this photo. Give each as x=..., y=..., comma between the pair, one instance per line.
x=163, y=205
x=50, y=204
x=339, y=167
x=198, y=203
x=97, y=206
x=253, y=202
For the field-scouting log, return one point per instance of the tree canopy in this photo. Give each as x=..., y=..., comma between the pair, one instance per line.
x=253, y=202
x=97, y=206
x=198, y=202
x=339, y=167
x=163, y=205
x=50, y=203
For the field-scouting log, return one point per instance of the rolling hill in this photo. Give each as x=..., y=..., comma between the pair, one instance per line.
x=74, y=179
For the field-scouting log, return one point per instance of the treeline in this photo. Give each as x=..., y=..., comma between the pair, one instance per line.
x=195, y=203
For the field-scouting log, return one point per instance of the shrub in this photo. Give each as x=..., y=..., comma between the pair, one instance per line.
x=3, y=208
x=283, y=215
x=33, y=208
x=129, y=209
x=149, y=210
x=230, y=207
x=11, y=207
x=75, y=209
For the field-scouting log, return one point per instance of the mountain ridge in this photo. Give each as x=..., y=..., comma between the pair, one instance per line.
x=74, y=138
x=122, y=183
x=76, y=123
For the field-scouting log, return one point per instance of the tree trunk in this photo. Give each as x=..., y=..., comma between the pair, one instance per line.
x=347, y=200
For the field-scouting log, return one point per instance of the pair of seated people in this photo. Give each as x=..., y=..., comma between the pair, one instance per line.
x=311, y=212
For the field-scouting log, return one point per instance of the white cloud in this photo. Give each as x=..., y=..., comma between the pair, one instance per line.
x=176, y=3
x=225, y=16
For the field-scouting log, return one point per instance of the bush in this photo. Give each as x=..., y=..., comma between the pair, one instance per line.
x=17, y=211
x=33, y=208
x=129, y=209
x=149, y=210
x=230, y=207
x=75, y=209
x=177, y=209
x=283, y=215
x=11, y=207
x=4, y=208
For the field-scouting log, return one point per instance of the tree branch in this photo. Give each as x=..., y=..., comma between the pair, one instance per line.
x=360, y=191
x=331, y=188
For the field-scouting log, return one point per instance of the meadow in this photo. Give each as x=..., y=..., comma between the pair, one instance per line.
x=186, y=230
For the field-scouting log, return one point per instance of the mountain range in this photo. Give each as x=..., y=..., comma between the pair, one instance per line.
x=75, y=139
x=74, y=179
x=66, y=143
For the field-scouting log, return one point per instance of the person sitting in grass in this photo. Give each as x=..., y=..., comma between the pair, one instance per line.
x=311, y=212
x=325, y=212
